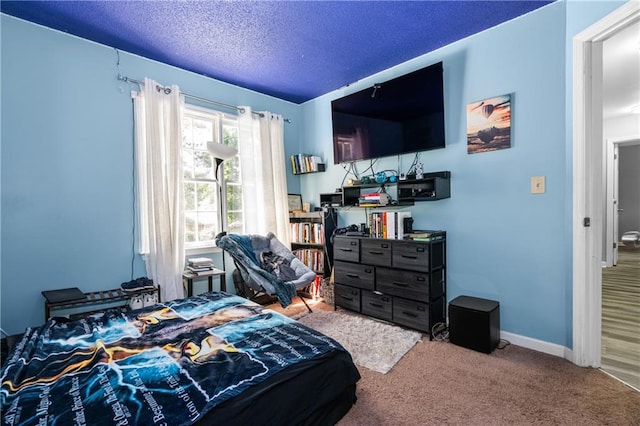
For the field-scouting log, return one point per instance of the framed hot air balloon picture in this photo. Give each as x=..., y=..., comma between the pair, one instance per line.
x=489, y=124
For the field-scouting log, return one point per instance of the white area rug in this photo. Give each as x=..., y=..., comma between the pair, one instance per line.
x=372, y=344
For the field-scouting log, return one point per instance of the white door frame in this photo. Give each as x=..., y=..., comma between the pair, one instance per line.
x=588, y=196
x=611, y=213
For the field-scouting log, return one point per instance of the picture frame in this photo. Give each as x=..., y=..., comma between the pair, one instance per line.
x=295, y=202
x=489, y=124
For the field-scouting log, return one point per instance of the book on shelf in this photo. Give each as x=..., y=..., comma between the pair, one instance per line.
x=418, y=235
x=313, y=258
x=306, y=233
x=199, y=269
x=305, y=163
x=200, y=261
x=374, y=199
x=387, y=224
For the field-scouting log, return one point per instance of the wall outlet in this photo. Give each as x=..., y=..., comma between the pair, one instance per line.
x=537, y=185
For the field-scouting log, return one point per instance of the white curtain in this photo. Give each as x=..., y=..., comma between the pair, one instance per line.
x=158, y=140
x=263, y=173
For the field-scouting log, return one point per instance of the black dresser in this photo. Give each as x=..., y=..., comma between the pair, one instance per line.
x=401, y=281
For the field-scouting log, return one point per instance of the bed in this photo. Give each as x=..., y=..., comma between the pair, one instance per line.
x=215, y=358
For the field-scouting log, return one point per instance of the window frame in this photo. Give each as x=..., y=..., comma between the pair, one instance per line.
x=219, y=119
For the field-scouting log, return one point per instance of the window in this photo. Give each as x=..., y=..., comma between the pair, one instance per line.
x=206, y=213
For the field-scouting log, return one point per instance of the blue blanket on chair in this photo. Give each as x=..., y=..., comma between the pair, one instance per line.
x=241, y=249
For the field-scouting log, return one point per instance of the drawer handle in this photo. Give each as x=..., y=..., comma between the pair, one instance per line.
x=410, y=314
x=375, y=252
x=409, y=257
x=345, y=249
x=353, y=243
x=376, y=305
x=353, y=275
x=396, y=283
x=420, y=249
x=347, y=298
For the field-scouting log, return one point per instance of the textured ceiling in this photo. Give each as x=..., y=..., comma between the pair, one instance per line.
x=292, y=50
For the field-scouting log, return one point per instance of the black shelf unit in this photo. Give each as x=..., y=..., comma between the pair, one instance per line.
x=433, y=186
x=314, y=230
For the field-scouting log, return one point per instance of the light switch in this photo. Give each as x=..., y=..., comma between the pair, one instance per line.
x=537, y=184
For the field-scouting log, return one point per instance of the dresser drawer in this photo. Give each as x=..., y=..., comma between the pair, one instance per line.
x=376, y=305
x=347, y=297
x=411, y=285
x=345, y=248
x=410, y=255
x=421, y=316
x=412, y=314
x=376, y=252
x=354, y=274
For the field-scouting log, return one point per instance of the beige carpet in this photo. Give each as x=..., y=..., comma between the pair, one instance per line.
x=438, y=383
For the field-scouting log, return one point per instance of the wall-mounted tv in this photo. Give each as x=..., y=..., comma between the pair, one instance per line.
x=399, y=116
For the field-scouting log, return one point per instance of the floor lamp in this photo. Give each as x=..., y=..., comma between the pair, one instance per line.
x=220, y=153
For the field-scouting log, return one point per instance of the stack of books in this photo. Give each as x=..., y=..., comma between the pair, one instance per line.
x=198, y=265
x=313, y=258
x=388, y=225
x=306, y=233
x=374, y=199
x=418, y=235
x=305, y=163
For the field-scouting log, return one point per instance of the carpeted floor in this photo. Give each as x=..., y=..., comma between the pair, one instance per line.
x=438, y=383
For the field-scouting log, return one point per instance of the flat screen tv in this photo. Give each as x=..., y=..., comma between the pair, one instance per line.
x=399, y=116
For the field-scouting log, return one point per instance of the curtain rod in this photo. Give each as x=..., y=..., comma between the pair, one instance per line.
x=198, y=98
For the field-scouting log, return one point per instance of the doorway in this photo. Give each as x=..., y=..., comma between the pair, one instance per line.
x=622, y=211
x=588, y=220
x=621, y=266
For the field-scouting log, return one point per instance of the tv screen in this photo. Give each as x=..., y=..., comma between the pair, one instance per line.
x=399, y=116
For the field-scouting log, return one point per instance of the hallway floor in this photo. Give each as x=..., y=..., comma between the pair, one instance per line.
x=621, y=317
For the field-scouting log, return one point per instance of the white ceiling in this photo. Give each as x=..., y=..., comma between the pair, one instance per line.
x=621, y=72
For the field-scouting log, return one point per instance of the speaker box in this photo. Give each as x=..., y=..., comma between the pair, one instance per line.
x=474, y=323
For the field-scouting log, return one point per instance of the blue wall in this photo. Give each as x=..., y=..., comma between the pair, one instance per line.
x=67, y=144
x=67, y=205
x=504, y=243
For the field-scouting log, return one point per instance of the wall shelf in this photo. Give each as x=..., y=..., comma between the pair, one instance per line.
x=433, y=186
x=302, y=164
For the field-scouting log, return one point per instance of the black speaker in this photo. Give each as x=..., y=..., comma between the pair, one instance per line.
x=474, y=323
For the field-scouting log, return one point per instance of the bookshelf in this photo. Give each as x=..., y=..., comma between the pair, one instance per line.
x=305, y=163
x=311, y=238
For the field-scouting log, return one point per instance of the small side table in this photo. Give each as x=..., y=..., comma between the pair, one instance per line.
x=190, y=277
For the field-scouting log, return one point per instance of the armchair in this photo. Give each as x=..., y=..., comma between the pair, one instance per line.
x=266, y=266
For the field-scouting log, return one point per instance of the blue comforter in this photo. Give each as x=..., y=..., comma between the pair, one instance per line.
x=166, y=364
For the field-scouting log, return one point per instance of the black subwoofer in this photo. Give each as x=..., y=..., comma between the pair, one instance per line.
x=474, y=323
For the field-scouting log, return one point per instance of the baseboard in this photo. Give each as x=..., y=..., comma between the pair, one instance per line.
x=538, y=345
